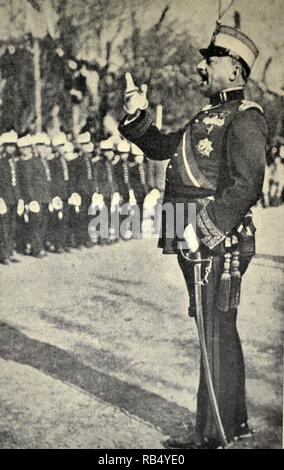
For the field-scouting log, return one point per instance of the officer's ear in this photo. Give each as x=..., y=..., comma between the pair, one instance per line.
x=236, y=72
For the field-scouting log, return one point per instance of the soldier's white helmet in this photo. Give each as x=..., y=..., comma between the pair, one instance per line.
x=9, y=138
x=41, y=138
x=25, y=141
x=123, y=146
x=84, y=138
x=106, y=144
x=135, y=150
x=59, y=139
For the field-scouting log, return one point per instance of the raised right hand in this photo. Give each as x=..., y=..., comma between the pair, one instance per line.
x=135, y=99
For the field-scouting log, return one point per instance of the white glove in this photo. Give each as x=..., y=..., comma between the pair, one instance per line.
x=98, y=200
x=3, y=207
x=57, y=203
x=151, y=199
x=134, y=98
x=115, y=200
x=75, y=200
x=34, y=207
x=132, y=198
x=20, y=207
x=94, y=199
x=191, y=238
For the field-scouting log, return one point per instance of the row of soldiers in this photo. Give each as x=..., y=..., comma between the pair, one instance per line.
x=273, y=186
x=50, y=190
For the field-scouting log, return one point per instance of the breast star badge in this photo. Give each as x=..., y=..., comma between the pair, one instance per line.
x=205, y=147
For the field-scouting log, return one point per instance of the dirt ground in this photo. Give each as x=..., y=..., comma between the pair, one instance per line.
x=97, y=351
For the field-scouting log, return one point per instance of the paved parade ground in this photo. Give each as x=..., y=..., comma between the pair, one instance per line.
x=97, y=351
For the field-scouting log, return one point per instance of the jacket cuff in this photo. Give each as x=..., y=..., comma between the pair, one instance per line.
x=209, y=234
x=135, y=128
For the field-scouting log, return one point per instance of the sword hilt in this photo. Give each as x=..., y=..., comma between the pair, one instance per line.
x=199, y=260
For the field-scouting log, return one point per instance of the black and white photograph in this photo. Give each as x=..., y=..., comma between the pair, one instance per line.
x=141, y=226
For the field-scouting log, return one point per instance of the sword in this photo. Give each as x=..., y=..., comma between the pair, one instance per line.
x=198, y=283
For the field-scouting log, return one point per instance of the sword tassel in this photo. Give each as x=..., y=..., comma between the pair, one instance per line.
x=235, y=281
x=225, y=285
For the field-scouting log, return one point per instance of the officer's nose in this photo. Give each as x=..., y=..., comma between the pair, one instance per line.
x=201, y=67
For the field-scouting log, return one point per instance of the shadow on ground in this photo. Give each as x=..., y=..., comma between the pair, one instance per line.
x=162, y=414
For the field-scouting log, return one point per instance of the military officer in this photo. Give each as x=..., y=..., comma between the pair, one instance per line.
x=3, y=230
x=121, y=171
x=42, y=185
x=85, y=184
x=122, y=178
x=4, y=259
x=35, y=181
x=139, y=184
x=10, y=189
x=29, y=236
x=59, y=218
x=216, y=163
x=108, y=188
x=75, y=239
x=97, y=202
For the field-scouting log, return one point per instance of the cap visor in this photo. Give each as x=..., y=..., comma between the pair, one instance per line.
x=204, y=52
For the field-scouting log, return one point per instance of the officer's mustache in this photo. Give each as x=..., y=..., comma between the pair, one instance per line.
x=194, y=80
x=203, y=74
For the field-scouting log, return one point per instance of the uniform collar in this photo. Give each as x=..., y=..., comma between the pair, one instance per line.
x=224, y=96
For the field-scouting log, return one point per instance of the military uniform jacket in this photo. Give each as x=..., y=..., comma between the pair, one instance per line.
x=41, y=180
x=106, y=179
x=137, y=175
x=9, y=181
x=59, y=178
x=35, y=180
x=121, y=176
x=82, y=176
x=217, y=161
x=25, y=172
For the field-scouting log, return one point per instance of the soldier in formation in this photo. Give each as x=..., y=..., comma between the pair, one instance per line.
x=273, y=186
x=51, y=189
x=10, y=200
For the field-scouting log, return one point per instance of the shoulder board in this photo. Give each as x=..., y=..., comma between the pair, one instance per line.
x=245, y=104
x=207, y=107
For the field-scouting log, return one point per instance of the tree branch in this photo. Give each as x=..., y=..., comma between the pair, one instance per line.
x=266, y=67
x=158, y=25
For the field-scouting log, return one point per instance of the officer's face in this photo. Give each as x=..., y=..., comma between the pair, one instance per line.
x=217, y=74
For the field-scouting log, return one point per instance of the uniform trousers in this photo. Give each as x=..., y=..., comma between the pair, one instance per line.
x=78, y=222
x=12, y=229
x=37, y=229
x=58, y=229
x=224, y=352
x=3, y=237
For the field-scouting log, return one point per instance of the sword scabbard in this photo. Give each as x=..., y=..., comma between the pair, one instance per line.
x=204, y=354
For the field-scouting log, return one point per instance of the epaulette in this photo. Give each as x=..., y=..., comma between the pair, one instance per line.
x=207, y=107
x=245, y=104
